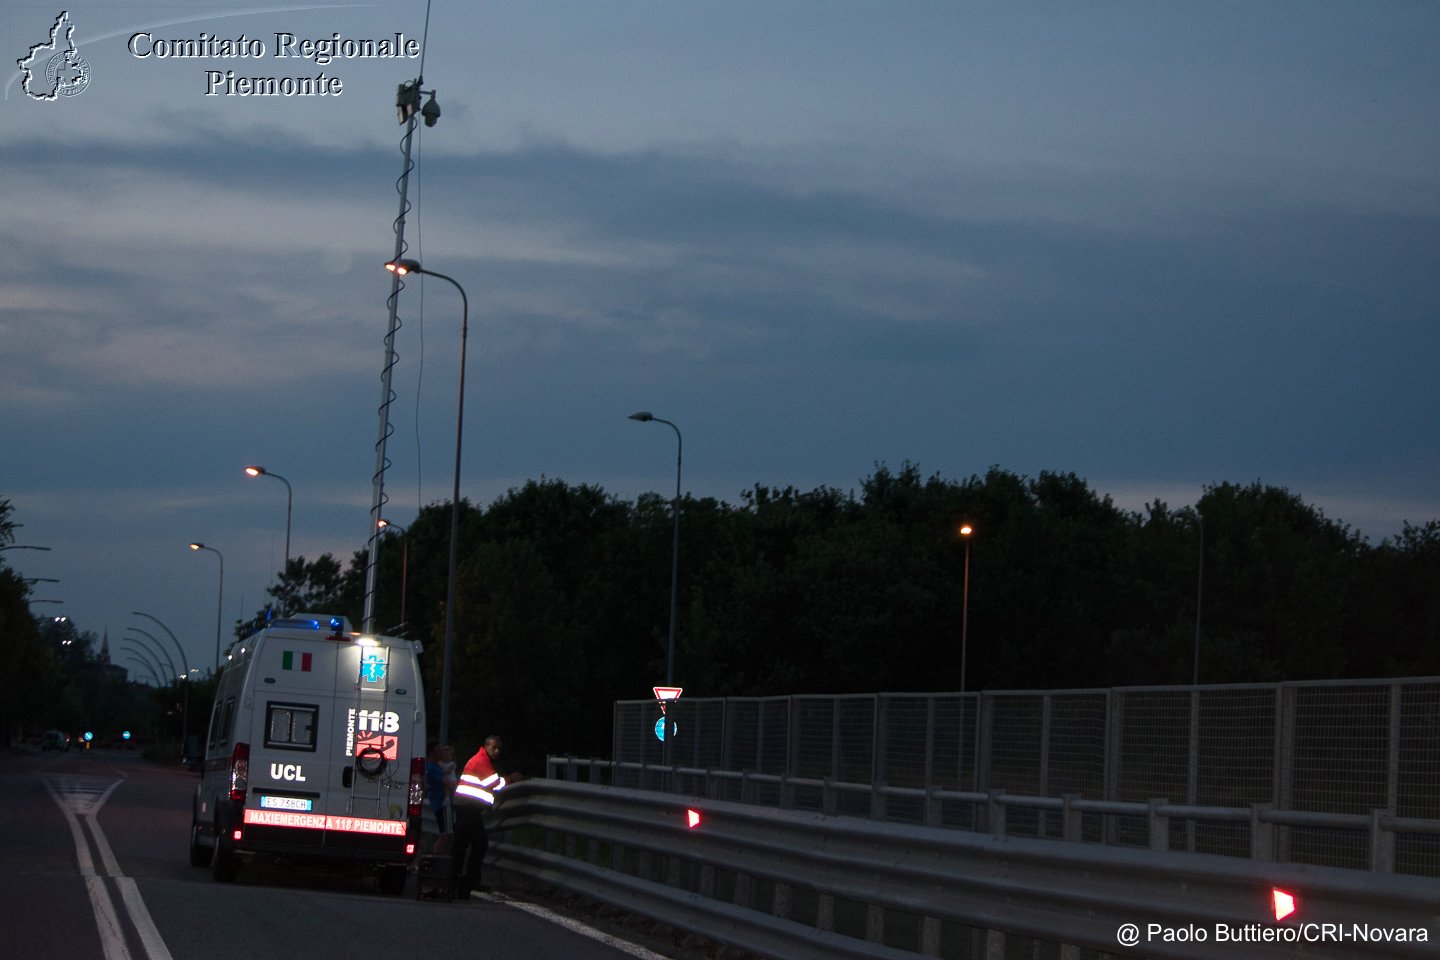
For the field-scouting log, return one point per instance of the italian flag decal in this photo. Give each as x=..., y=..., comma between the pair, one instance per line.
x=289, y=662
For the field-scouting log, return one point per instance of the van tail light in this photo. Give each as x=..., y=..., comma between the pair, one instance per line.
x=417, y=785
x=240, y=772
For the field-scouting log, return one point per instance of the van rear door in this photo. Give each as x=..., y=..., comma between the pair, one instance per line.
x=376, y=697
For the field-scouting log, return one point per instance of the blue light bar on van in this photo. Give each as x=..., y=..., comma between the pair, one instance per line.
x=336, y=625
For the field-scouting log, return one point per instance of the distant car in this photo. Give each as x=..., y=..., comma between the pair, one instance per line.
x=54, y=740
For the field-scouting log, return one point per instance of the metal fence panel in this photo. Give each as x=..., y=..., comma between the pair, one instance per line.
x=1349, y=748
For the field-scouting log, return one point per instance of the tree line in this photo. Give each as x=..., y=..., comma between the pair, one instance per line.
x=60, y=677
x=563, y=596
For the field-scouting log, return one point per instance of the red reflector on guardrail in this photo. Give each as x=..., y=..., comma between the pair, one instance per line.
x=1284, y=903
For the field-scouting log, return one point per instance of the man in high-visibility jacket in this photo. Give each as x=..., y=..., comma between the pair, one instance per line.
x=474, y=795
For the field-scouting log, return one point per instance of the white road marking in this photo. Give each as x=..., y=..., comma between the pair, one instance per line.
x=144, y=924
x=112, y=937
x=80, y=799
x=575, y=926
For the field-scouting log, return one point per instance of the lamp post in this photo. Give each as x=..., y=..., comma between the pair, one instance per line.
x=184, y=661
x=158, y=646
x=219, y=603
x=645, y=416
x=965, y=531
x=289, y=505
x=147, y=666
x=399, y=631
x=1199, y=584
x=401, y=267
x=185, y=708
x=148, y=657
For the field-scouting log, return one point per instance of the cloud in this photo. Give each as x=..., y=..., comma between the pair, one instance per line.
x=1263, y=328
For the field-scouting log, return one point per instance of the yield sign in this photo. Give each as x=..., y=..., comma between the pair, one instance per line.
x=664, y=694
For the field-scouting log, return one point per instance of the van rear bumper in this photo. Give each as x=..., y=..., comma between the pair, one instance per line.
x=330, y=843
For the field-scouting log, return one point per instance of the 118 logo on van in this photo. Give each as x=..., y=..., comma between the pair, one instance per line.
x=369, y=728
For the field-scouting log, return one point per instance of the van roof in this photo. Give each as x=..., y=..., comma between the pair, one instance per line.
x=315, y=626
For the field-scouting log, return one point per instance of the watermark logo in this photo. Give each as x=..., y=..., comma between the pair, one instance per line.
x=54, y=68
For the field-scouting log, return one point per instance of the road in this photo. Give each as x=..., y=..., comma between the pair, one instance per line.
x=93, y=864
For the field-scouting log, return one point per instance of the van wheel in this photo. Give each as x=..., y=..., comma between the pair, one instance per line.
x=223, y=862
x=200, y=855
x=392, y=880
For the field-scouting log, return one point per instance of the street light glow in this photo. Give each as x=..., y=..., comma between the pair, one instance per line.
x=403, y=266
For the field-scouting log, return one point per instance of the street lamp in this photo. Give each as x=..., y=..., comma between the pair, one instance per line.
x=645, y=416
x=401, y=267
x=184, y=661
x=149, y=657
x=147, y=666
x=384, y=524
x=158, y=646
x=219, y=603
x=289, y=504
x=966, y=530
x=1199, y=585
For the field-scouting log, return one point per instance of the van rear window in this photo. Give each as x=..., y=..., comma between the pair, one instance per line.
x=290, y=726
x=215, y=718
x=227, y=721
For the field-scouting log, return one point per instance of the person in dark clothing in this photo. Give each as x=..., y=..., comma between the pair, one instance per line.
x=440, y=781
x=474, y=796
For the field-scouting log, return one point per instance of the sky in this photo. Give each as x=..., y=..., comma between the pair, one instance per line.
x=1159, y=245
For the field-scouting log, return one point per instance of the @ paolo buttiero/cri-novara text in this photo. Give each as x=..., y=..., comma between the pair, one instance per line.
x=322, y=52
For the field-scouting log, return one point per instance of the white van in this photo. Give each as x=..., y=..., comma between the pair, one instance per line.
x=316, y=751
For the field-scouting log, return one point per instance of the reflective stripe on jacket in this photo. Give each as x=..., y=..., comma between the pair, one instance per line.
x=479, y=783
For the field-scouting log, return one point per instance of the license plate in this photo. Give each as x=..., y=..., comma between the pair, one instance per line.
x=286, y=803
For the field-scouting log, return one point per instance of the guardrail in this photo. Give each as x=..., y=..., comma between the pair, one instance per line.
x=1075, y=817
x=794, y=885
